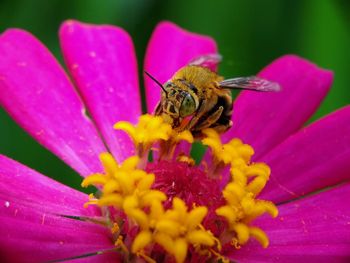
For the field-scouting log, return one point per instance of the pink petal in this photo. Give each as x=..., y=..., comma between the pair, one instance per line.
x=36, y=92
x=314, y=229
x=266, y=119
x=33, y=218
x=102, y=62
x=107, y=257
x=31, y=235
x=316, y=157
x=169, y=49
x=20, y=184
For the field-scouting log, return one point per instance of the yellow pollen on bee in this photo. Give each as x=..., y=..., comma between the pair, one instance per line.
x=129, y=189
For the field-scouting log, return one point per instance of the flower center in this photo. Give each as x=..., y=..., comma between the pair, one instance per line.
x=191, y=184
x=171, y=208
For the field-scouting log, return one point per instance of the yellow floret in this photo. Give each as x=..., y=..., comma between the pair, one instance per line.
x=177, y=228
x=226, y=153
x=150, y=130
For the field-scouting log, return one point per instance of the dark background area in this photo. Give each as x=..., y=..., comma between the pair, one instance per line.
x=250, y=34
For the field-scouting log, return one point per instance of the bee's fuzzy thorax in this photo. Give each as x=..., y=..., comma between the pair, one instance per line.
x=199, y=77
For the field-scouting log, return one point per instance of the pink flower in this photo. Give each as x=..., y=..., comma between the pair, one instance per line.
x=42, y=220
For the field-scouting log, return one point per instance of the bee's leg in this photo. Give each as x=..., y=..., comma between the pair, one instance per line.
x=222, y=128
x=158, y=110
x=211, y=119
x=204, y=108
x=196, y=117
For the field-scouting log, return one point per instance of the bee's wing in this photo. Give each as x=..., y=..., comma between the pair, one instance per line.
x=208, y=61
x=250, y=83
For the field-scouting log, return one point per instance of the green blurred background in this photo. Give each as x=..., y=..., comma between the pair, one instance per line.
x=250, y=34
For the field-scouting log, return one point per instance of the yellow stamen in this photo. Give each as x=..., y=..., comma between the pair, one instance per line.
x=242, y=231
x=234, y=242
x=219, y=257
x=185, y=159
x=142, y=254
x=115, y=228
x=92, y=201
x=120, y=243
x=95, y=179
x=259, y=235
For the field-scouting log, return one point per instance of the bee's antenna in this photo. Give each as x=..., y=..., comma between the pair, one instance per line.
x=156, y=81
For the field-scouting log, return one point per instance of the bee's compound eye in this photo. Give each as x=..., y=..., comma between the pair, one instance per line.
x=188, y=106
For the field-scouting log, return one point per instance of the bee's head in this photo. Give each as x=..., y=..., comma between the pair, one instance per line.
x=178, y=101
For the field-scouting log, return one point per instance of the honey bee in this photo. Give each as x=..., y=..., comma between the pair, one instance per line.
x=196, y=98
